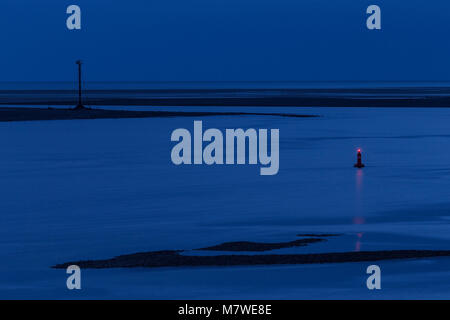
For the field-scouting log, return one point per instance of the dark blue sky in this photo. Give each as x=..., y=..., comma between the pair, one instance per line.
x=225, y=40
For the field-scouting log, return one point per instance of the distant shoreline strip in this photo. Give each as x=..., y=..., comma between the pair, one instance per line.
x=239, y=98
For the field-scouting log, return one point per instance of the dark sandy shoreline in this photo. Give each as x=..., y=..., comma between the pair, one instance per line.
x=342, y=97
x=430, y=102
x=40, y=114
x=176, y=258
x=160, y=259
x=257, y=247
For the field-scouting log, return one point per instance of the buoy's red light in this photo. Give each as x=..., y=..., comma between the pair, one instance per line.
x=358, y=163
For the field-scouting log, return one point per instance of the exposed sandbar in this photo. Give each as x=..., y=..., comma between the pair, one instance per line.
x=40, y=114
x=259, y=246
x=175, y=259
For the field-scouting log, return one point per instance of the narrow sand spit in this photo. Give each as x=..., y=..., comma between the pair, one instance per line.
x=39, y=114
x=175, y=259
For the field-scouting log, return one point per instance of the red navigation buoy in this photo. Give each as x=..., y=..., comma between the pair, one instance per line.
x=358, y=163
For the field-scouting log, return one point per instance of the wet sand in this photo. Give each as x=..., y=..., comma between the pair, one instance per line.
x=435, y=102
x=176, y=258
x=256, y=246
x=39, y=114
x=159, y=259
x=332, y=97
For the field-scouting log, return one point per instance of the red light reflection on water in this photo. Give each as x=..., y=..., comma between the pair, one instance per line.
x=358, y=219
x=358, y=241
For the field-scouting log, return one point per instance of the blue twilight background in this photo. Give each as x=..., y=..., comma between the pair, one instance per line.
x=95, y=189
x=225, y=40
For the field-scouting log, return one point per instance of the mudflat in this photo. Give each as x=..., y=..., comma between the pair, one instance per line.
x=39, y=114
